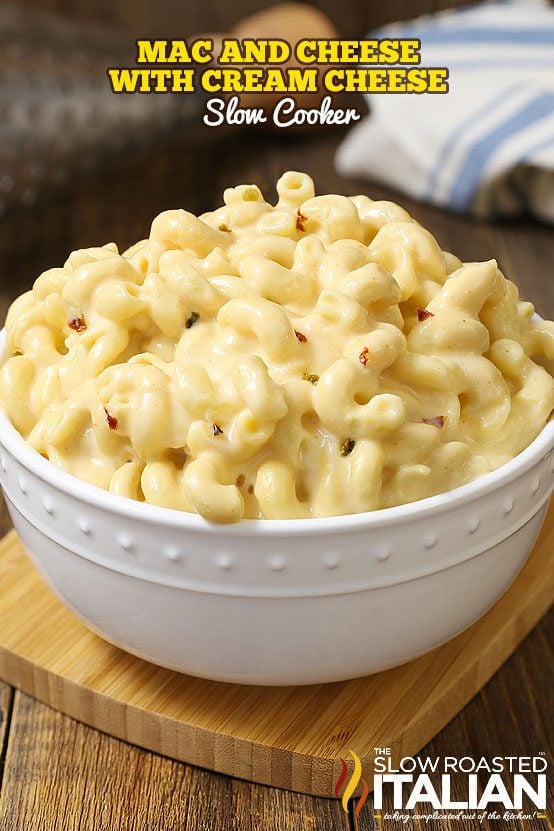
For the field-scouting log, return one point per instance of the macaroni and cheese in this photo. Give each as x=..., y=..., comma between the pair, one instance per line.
x=318, y=357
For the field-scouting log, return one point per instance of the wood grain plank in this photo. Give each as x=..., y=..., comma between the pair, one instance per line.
x=63, y=775
x=526, y=251
x=6, y=704
x=511, y=716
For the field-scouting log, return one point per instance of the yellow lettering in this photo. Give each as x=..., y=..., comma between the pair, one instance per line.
x=202, y=50
x=302, y=80
x=305, y=50
x=160, y=77
x=331, y=80
x=182, y=80
x=174, y=51
x=409, y=51
x=438, y=80
x=230, y=52
x=124, y=80
x=255, y=50
x=151, y=51
x=388, y=51
x=179, y=52
x=397, y=80
x=211, y=80
x=417, y=80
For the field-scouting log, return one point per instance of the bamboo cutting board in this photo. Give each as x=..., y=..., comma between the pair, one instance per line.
x=287, y=737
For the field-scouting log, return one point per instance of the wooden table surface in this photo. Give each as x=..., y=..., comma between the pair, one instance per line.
x=57, y=775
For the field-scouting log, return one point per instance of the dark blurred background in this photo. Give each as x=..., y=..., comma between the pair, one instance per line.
x=189, y=166
x=181, y=18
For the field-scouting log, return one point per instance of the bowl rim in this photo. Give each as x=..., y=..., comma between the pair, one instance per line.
x=14, y=443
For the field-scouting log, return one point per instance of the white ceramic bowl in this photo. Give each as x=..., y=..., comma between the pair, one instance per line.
x=277, y=601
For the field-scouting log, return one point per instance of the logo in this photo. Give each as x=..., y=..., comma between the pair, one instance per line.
x=353, y=783
x=502, y=787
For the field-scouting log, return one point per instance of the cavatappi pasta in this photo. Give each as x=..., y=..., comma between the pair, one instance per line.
x=318, y=357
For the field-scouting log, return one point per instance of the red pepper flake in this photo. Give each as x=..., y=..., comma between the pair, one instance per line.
x=300, y=337
x=362, y=357
x=300, y=220
x=112, y=420
x=423, y=314
x=78, y=324
x=217, y=430
x=436, y=421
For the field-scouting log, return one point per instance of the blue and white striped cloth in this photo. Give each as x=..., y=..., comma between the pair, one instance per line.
x=486, y=147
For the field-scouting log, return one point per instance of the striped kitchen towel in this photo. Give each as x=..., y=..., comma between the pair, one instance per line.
x=486, y=147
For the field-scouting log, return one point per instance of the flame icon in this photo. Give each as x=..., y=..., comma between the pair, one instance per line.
x=352, y=784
